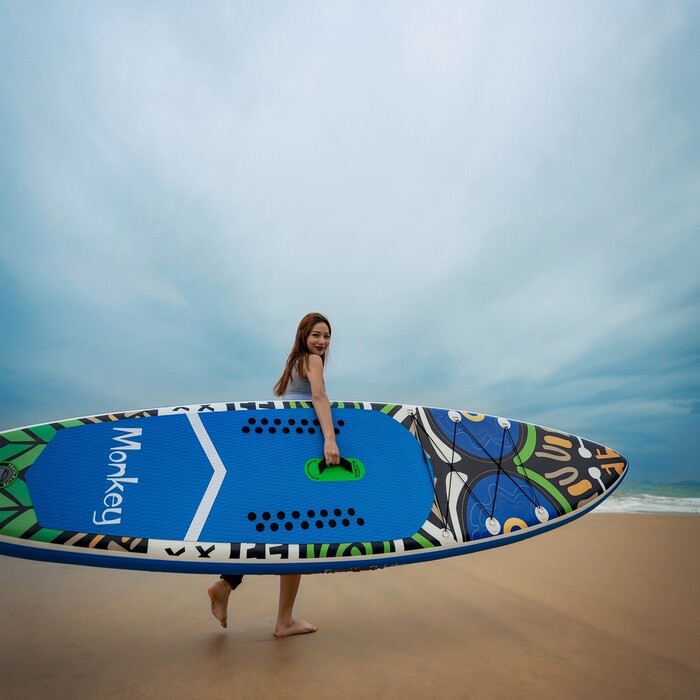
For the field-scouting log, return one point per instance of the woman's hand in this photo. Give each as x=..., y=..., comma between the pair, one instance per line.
x=319, y=399
x=331, y=451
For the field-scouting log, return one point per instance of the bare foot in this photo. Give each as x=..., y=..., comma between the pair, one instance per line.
x=218, y=595
x=296, y=626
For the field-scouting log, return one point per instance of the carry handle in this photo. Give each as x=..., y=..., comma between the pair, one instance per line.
x=344, y=464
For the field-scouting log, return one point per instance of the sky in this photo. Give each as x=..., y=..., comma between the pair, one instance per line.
x=496, y=203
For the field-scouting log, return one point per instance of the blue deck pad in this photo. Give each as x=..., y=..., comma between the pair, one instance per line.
x=479, y=436
x=147, y=478
x=266, y=485
x=134, y=478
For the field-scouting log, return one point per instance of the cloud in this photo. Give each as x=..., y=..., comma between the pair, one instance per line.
x=496, y=208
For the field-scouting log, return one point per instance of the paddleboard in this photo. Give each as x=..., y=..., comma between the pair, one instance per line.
x=243, y=487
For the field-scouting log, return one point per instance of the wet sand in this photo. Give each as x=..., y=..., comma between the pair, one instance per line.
x=606, y=607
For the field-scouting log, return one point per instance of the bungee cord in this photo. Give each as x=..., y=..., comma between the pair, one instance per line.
x=506, y=431
x=422, y=433
x=534, y=499
x=420, y=427
x=431, y=475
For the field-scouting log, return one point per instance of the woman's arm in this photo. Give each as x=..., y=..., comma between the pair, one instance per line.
x=323, y=408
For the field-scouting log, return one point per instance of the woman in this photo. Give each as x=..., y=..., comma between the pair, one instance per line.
x=302, y=379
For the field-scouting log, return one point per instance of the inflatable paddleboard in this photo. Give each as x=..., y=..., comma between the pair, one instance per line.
x=243, y=487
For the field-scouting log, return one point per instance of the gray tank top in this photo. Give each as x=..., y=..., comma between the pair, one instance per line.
x=298, y=387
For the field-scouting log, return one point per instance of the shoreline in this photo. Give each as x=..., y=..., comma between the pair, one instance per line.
x=599, y=608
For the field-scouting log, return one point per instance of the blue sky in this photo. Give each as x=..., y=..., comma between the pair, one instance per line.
x=496, y=203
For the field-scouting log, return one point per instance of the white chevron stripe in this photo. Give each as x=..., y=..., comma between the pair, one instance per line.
x=217, y=478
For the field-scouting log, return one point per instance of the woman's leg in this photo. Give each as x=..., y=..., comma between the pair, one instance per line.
x=218, y=595
x=287, y=624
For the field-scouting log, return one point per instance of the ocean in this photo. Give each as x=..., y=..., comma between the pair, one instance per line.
x=649, y=497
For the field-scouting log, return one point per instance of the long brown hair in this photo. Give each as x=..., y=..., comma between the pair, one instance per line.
x=299, y=356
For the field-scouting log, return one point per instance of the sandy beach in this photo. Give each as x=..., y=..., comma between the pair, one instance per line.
x=606, y=607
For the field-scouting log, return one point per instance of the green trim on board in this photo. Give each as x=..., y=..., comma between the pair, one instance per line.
x=46, y=535
x=422, y=541
x=11, y=450
x=529, y=446
x=18, y=436
x=20, y=524
x=546, y=486
x=18, y=489
x=28, y=458
x=71, y=423
x=45, y=432
x=6, y=503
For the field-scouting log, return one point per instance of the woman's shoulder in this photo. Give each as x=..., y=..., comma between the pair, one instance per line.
x=313, y=365
x=313, y=360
